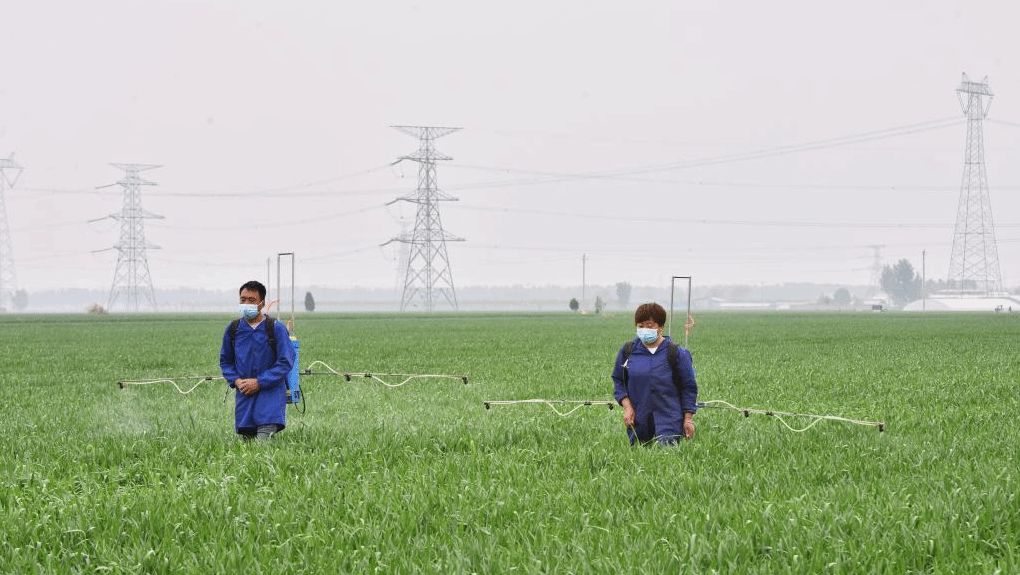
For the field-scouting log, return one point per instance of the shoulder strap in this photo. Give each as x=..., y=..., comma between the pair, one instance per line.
x=674, y=357
x=627, y=349
x=674, y=361
x=672, y=354
x=270, y=330
x=233, y=331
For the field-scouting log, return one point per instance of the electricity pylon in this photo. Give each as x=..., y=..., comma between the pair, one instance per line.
x=131, y=276
x=875, y=283
x=975, y=257
x=9, y=172
x=402, y=257
x=428, y=276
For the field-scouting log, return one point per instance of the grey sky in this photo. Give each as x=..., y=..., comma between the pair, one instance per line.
x=584, y=124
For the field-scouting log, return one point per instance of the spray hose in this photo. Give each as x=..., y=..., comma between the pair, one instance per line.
x=379, y=376
x=710, y=404
x=551, y=403
x=172, y=381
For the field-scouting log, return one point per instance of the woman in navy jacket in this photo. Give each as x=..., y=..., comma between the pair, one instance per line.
x=659, y=396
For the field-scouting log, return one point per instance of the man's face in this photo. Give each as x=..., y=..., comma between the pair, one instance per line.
x=251, y=296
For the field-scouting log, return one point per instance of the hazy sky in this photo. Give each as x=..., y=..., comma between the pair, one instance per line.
x=656, y=138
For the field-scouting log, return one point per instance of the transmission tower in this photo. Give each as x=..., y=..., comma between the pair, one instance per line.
x=428, y=277
x=975, y=257
x=875, y=284
x=9, y=172
x=402, y=257
x=131, y=277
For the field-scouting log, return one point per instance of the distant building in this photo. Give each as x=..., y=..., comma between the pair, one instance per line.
x=715, y=303
x=951, y=302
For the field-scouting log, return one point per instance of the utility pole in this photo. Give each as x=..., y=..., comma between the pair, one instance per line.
x=9, y=172
x=584, y=278
x=975, y=257
x=131, y=276
x=924, y=280
x=428, y=277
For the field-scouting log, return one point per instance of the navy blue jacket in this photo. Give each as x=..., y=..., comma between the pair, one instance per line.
x=249, y=357
x=659, y=403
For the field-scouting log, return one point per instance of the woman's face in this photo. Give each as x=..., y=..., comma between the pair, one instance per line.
x=649, y=332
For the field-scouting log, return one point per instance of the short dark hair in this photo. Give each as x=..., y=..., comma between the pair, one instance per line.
x=650, y=311
x=254, y=286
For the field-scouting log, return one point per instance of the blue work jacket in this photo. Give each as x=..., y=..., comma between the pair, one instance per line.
x=250, y=357
x=659, y=403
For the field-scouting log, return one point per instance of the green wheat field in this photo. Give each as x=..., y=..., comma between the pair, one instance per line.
x=422, y=478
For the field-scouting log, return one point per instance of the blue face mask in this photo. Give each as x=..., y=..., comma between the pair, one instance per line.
x=647, y=335
x=248, y=310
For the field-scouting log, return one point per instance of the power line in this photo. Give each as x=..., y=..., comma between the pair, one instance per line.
x=283, y=191
x=712, y=221
x=545, y=177
x=707, y=183
x=805, y=147
x=1003, y=122
x=774, y=151
x=272, y=223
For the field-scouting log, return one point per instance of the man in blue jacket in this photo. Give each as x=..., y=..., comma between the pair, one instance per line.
x=659, y=394
x=256, y=365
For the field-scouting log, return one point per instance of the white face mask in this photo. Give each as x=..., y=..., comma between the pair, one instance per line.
x=248, y=310
x=647, y=334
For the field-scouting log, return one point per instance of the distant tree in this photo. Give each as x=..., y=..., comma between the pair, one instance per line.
x=599, y=304
x=824, y=299
x=573, y=304
x=309, y=302
x=97, y=309
x=623, y=294
x=716, y=291
x=20, y=300
x=741, y=292
x=841, y=297
x=901, y=283
x=950, y=285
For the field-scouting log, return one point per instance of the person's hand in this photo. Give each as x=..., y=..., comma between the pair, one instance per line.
x=689, y=429
x=628, y=415
x=248, y=386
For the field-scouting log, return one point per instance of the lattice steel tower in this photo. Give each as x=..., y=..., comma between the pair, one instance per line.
x=875, y=283
x=131, y=277
x=428, y=276
x=975, y=257
x=9, y=172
